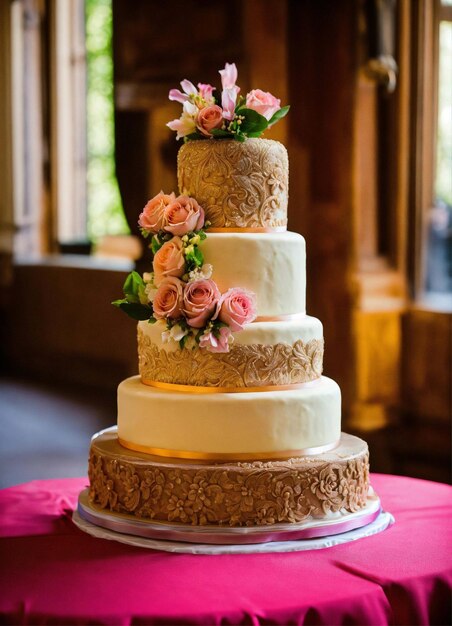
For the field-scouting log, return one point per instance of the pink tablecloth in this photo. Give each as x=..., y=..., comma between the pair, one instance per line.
x=52, y=573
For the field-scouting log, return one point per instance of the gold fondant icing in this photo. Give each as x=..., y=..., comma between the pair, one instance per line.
x=239, y=494
x=243, y=366
x=241, y=185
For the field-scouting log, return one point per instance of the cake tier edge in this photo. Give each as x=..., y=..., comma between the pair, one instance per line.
x=262, y=424
x=238, y=184
x=263, y=353
x=228, y=494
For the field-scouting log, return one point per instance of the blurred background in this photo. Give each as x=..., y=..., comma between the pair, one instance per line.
x=83, y=145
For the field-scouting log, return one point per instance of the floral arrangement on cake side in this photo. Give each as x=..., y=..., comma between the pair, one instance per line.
x=231, y=116
x=179, y=294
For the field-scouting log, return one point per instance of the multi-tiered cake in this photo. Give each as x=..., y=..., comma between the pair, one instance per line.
x=230, y=422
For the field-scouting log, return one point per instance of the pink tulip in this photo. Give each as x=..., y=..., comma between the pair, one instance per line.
x=228, y=76
x=229, y=101
x=206, y=92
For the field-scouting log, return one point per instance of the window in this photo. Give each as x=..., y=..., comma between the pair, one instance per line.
x=86, y=195
x=438, y=278
x=104, y=208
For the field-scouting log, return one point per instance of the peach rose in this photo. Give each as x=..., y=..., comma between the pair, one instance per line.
x=236, y=308
x=152, y=217
x=263, y=102
x=200, y=300
x=168, y=299
x=183, y=215
x=169, y=260
x=216, y=344
x=209, y=118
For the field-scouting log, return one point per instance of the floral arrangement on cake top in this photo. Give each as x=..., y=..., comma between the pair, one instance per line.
x=231, y=116
x=179, y=294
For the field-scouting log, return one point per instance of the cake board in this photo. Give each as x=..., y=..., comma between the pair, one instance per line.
x=176, y=537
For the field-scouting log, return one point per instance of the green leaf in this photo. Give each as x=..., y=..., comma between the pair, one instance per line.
x=136, y=310
x=254, y=122
x=156, y=244
x=219, y=132
x=118, y=303
x=144, y=233
x=278, y=115
x=192, y=136
x=132, y=286
x=152, y=320
x=198, y=257
x=182, y=342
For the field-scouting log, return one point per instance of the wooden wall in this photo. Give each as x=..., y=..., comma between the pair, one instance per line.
x=350, y=151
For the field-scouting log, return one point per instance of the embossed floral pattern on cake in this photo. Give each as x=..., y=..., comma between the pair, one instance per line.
x=243, y=366
x=245, y=494
x=239, y=185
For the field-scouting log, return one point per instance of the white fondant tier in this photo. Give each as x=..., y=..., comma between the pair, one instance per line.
x=304, y=328
x=273, y=265
x=261, y=424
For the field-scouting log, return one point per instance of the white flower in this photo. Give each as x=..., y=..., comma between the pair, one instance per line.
x=148, y=277
x=201, y=272
x=175, y=333
x=150, y=291
x=189, y=250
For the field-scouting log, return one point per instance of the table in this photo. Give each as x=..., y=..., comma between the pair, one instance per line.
x=53, y=573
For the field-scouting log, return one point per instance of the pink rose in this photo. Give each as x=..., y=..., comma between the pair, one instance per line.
x=262, y=102
x=236, y=308
x=200, y=300
x=210, y=117
x=183, y=215
x=216, y=344
x=169, y=260
x=168, y=299
x=152, y=217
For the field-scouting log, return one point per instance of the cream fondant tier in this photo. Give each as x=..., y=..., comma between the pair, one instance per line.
x=230, y=494
x=238, y=184
x=262, y=354
x=273, y=266
x=248, y=425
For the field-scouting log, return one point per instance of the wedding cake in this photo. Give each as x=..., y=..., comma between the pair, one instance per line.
x=230, y=422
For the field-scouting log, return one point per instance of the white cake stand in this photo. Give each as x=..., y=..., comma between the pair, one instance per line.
x=307, y=535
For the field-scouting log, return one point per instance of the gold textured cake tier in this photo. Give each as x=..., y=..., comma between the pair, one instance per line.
x=228, y=494
x=244, y=366
x=239, y=185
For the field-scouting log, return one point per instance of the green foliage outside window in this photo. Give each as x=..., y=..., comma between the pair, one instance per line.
x=444, y=153
x=105, y=212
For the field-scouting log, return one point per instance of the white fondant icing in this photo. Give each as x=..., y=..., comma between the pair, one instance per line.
x=266, y=421
x=261, y=333
x=273, y=265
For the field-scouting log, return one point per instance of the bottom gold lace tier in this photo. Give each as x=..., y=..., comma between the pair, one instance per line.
x=228, y=494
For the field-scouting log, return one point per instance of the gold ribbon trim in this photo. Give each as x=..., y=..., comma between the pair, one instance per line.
x=227, y=456
x=199, y=389
x=257, y=229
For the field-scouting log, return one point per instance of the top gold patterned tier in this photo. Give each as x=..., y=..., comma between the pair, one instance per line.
x=239, y=185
